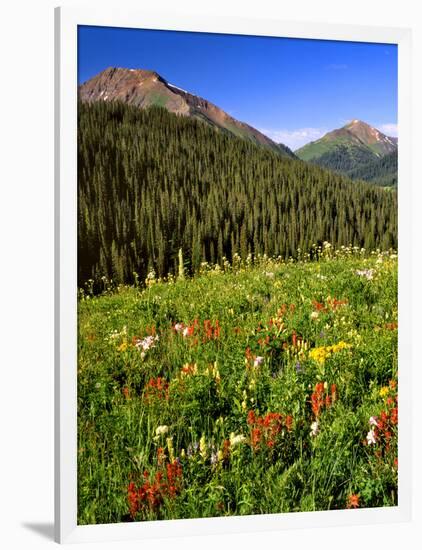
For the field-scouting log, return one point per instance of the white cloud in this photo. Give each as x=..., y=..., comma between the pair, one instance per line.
x=294, y=138
x=389, y=129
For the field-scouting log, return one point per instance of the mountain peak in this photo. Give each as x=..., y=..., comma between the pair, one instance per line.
x=370, y=136
x=348, y=148
x=144, y=88
x=355, y=123
x=124, y=72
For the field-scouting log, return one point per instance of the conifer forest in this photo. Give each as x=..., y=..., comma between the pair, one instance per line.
x=151, y=183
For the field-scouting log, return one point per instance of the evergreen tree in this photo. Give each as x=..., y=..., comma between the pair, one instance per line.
x=151, y=183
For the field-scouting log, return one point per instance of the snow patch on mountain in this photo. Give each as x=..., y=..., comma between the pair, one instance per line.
x=177, y=88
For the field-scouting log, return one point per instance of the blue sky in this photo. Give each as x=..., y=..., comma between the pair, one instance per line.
x=293, y=90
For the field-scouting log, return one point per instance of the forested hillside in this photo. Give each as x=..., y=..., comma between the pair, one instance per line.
x=345, y=157
x=357, y=164
x=381, y=171
x=151, y=182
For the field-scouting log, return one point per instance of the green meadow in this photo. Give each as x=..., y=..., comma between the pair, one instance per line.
x=260, y=386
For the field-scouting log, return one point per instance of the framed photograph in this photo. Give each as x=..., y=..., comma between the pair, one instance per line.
x=232, y=275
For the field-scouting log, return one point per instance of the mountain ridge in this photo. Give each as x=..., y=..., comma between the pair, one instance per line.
x=144, y=88
x=355, y=132
x=351, y=148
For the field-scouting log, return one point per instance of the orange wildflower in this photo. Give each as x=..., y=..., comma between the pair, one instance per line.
x=353, y=501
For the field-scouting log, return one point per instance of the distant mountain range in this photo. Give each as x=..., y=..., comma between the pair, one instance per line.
x=358, y=150
x=145, y=88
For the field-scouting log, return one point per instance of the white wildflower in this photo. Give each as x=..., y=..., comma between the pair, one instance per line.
x=161, y=430
x=117, y=334
x=258, y=361
x=314, y=428
x=373, y=421
x=178, y=327
x=146, y=343
x=367, y=273
x=370, y=438
x=236, y=439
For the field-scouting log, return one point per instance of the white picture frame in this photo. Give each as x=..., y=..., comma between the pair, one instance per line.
x=66, y=23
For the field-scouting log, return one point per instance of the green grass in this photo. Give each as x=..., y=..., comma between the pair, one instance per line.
x=157, y=99
x=326, y=145
x=211, y=459
x=316, y=149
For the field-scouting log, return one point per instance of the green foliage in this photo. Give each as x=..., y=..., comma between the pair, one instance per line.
x=356, y=161
x=151, y=183
x=382, y=171
x=344, y=157
x=193, y=356
x=286, y=150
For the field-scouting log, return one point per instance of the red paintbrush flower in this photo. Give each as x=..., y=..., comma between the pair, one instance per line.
x=353, y=501
x=394, y=416
x=251, y=418
x=132, y=495
x=255, y=437
x=289, y=422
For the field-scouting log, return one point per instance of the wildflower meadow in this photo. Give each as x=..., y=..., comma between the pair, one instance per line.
x=252, y=387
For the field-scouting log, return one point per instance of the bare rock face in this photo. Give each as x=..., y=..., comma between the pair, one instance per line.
x=134, y=87
x=144, y=88
x=370, y=136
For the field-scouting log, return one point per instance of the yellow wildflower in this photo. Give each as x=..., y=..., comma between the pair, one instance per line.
x=384, y=391
x=122, y=347
x=322, y=353
x=203, y=447
x=170, y=448
x=340, y=346
x=319, y=354
x=215, y=372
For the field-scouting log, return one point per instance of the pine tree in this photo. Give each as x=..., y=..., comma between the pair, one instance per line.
x=151, y=183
